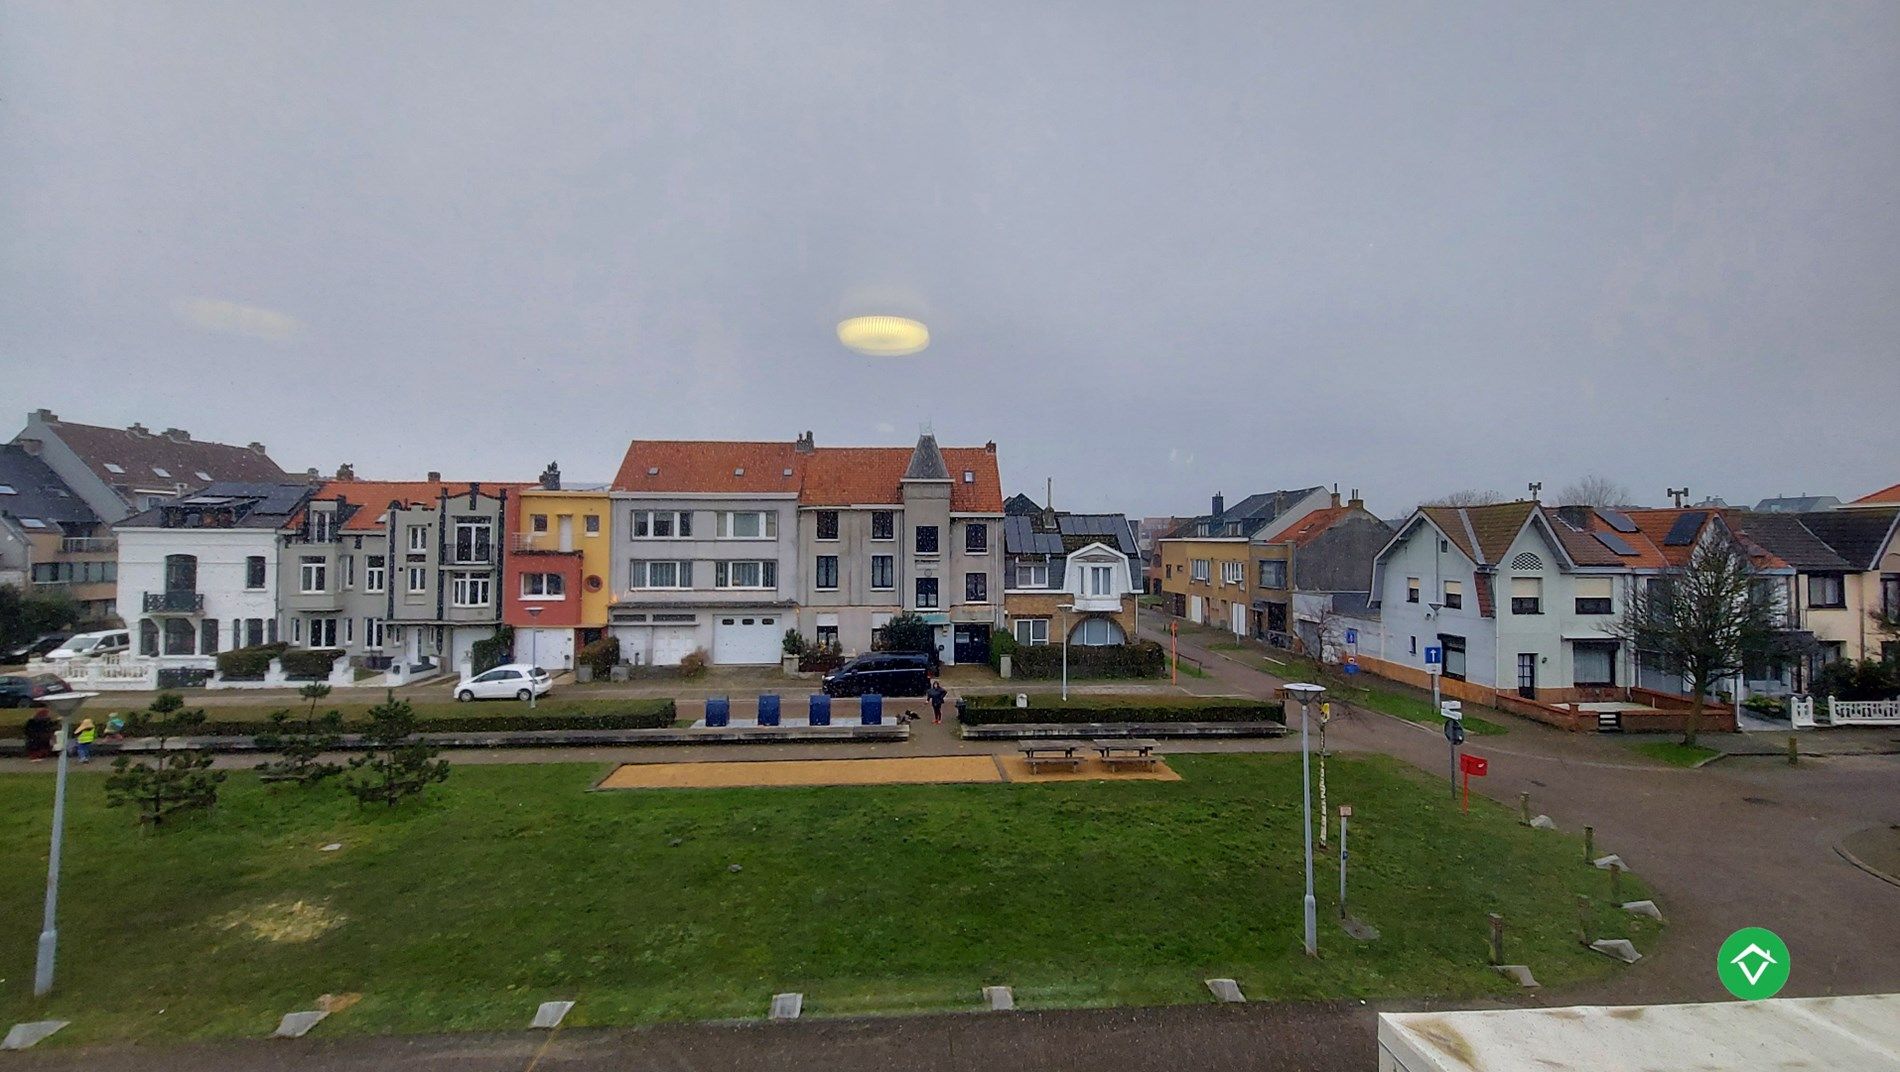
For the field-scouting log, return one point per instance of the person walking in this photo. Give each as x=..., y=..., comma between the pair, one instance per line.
x=935, y=695
x=83, y=737
x=39, y=731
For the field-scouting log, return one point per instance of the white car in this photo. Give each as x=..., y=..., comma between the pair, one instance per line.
x=88, y=645
x=515, y=681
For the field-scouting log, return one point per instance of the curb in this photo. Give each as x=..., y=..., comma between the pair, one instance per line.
x=1867, y=867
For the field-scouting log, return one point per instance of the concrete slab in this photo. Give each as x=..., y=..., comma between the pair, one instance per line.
x=1000, y=998
x=787, y=1006
x=298, y=1024
x=1225, y=990
x=20, y=1036
x=1618, y=949
x=1517, y=973
x=1604, y=862
x=1543, y=822
x=550, y=1014
x=1359, y=930
x=1643, y=908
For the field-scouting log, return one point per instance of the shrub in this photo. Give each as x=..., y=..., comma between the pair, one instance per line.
x=490, y=652
x=173, y=781
x=249, y=664
x=993, y=710
x=694, y=664
x=820, y=658
x=1770, y=706
x=309, y=664
x=398, y=764
x=794, y=642
x=1868, y=679
x=1002, y=643
x=300, y=746
x=907, y=632
x=600, y=656
x=1141, y=659
x=637, y=715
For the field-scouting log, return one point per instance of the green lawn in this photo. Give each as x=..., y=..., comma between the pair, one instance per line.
x=512, y=885
x=354, y=709
x=1675, y=752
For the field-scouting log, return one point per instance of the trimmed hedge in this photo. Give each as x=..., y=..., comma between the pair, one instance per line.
x=600, y=656
x=993, y=710
x=249, y=664
x=309, y=664
x=649, y=718
x=1143, y=658
x=489, y=652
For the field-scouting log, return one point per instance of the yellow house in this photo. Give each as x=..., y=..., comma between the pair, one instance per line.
x=558, y=581
x=1209, y=568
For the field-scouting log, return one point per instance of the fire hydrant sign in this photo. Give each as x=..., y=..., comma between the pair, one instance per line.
x=1474, y=766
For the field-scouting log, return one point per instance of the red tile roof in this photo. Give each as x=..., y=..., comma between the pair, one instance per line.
x=843, y=476
x=1884, y=495
x=1647, y=556
x=374, y=496
x=1313, y=525
x=687, y=465
x=1654, y=526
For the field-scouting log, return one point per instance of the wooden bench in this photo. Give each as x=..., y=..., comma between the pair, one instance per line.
x=1131, y=752
x=1039, y=754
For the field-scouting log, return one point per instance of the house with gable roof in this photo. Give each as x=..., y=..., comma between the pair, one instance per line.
x=1209, y=564
x=1079, y=572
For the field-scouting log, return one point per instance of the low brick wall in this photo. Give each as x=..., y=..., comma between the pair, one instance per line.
x=1669, y=716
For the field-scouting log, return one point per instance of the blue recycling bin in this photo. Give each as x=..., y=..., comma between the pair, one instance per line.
x=768, y=710
x=718, y=711
x=820, y=710
x=871, y=709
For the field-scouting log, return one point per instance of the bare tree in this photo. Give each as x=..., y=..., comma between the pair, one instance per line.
x=1707, y=620
x=1595, y=490
x=1465, y=497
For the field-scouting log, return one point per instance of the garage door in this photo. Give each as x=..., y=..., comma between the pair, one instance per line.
x=1195, y=614
x=742, y=639
x=655, y=645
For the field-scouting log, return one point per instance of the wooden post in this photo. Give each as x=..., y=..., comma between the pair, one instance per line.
x=1497, y=938
x=1589, y=844
x=1583, y=920
x=1616, y=883
x=1794, y=750
x=1524, y=807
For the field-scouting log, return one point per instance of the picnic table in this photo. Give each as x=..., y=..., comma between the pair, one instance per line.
x=1053, y=753
x=1128, y=752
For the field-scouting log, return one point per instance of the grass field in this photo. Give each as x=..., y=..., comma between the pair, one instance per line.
x=1675, y=752
x=511, y=885
x=354, y=710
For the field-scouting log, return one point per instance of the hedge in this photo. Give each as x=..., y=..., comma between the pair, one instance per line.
x=1143, y=658
x=492, y=651
x=309, y=664
x=249, y=664
x=658, y=716
x=600, y=656
x=994, y=710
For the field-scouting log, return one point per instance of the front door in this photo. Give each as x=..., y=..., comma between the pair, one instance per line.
x=1527, y=675
x=971, y=644
x=1239, y=614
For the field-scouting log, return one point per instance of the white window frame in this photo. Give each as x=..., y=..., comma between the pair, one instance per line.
x=465, y=587
x=1200, y=569
x=375, y=633
x=1233, y=573
x=724, y=572
x=640, y=574
x=1032, y=574
x=767, y=522
x=313, y=575
x=1036, y=633
x=475, y=527
x=1101, y=580
x=322, y=526
x=375, y=573
x=590, y=525
x=419, y=539
x=418, y=573
x=647, y=523
x=543, y=586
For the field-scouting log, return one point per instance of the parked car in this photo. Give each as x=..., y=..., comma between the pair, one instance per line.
x=511, y=682
x=26, y=690
x=87, y=645
x=38, y=647
x=887, y=673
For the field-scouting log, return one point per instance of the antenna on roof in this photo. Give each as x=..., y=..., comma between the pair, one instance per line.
x=1049, y=492
x=1677, y=494
x=1537, y=486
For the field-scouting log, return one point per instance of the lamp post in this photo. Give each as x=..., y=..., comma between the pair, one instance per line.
x=534, y=651
x=1065, y=608
x=63, y=704
x=1306, y=694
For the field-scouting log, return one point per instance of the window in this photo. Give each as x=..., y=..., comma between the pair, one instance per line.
x=179, y=637
x=1890, y=596
x=418, y=579
x=1411, y=589
x=660, y=574
x=591, y=524
x=270, y=630
x=1201, y=570
x=1593, y=664
x=419, y=539
x=660, y=524
x=1273, y=573
x=827, y=524
x=1032, y=631
x=1101, y=581
x=323, y=632
x=312, y=574
x=745, y=573
x=181, y=573
x=926, y=539
x=322, y=526
x=927, y=593
x=825, y=576
x=148, y=637
x=826, y=634
x=254, y=573
x=1454, y=594
x=976, y=538
x=1032, y=574
x=166, y=473
x=374, y=573
x=253, y=632
x=473, y=537
x=119, y=470
x=1527, y=595
x=748, y=525
x=976, y=588
x=1826, y=590
x=883, y=525
x=1593, y=594
x=1233, y=573
x=883, y=572
x=1454, y=656
x=469, y=589
x=373, y=633
x=208, y=637
x=537, y=522
x=201, y=474
x=349, y=630
x=543, y=586
x=1096, y=633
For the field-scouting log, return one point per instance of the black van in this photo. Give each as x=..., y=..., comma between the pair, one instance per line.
x=887, y=673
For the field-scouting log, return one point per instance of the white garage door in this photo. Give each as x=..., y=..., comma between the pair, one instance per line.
x=747, y=639
x=655, y=645
x=551, y=648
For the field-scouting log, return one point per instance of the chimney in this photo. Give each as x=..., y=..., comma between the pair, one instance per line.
x=44, y=416
x=311, y=473
x=474, y=492
x=805, y=444
x=1220, y=504
x=346, y=471
x=256, y=447
x=177, y=435
x=435, y=477
x=551, y=477
x=138, y=431
x=1335, y=494
x=990, y=446
x=1356, y=502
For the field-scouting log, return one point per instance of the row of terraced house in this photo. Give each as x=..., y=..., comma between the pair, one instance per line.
x=712, y=546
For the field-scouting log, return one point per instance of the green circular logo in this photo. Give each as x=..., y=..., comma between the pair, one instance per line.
x=1753, y=963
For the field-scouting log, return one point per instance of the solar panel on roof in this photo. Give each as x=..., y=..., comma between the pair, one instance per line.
x=1684, y=530
x=1616, y=519
x=1614, y=542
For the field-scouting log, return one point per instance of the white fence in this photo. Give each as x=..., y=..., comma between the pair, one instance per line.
x=105, y=673
x=1844, y=713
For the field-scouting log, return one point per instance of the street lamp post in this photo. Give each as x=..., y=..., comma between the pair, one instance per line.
x=534, y=651
x=1065, y=608
x=63, y=704
x=1306, y=694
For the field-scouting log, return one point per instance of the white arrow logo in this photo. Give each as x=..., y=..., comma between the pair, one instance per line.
x=1761, y=967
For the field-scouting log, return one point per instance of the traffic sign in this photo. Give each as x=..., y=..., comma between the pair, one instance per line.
x=1434, y=655
x=1475, y=766
x=1352, y=636
x=1454, y=731
x=1452, y=709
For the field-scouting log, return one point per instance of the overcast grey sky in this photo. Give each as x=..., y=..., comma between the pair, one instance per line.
x=1163, y=249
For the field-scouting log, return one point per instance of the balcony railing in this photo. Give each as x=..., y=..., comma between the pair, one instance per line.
x=174, y=602
x=84, y=544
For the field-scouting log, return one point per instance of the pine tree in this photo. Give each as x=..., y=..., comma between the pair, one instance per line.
x=398, y=763
x=176, y=780
x=300, y=745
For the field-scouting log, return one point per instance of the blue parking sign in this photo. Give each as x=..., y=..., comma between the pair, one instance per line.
x=1434, y=655
x=1352, y=636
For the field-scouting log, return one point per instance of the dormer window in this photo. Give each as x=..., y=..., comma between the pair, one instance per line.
x=166, y=473
x=111, y=468
x=969, y=476
x=739, y=471
x=653, y=470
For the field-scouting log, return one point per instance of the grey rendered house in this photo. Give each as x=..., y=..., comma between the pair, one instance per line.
x=445, y=567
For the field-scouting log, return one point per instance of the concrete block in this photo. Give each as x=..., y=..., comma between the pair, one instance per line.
x=20, y=1036
x=1543, y=822
x=1000, y=998
x=787, y=1006
x=550, y=1014
x=1225, y=990
x=1617, y=948
x=1643, y=908
x=298, y=1024
x=1603, y=862
x=1359, y=930
x=1517, y=973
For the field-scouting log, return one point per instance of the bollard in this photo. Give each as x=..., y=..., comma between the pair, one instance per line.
x=1497, y=938
x=1794, y=750
x=1524, y=807
x=1616, y=883
x=1589, y=844
x=1583, y=920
